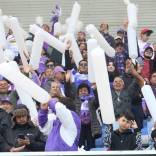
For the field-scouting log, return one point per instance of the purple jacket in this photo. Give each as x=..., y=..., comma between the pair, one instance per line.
x=55, y=142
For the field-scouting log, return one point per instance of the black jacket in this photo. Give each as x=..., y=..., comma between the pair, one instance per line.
x=127, y=140
x=37, y=139
x=6, y=140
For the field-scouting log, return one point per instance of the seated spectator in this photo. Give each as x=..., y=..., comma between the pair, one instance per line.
x=127, y=137
x=24, y=132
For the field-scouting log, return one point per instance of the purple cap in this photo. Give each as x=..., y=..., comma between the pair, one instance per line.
x=58, y=69
x=6, y=99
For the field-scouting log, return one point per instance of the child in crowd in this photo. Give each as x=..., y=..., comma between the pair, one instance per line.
x=126, y=137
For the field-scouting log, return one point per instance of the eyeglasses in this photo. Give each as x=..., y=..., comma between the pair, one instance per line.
x=83, y=64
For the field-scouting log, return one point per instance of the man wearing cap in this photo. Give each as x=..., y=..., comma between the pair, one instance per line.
x=6, y=140
x=143, y=42
x=59, y=75
x=121, y=33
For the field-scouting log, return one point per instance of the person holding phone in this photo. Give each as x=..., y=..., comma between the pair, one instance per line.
x=25, y=133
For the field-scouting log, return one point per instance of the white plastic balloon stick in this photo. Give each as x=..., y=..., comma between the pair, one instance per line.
x=15, y=27
x=150, y=100
x=132, y=15
x=74, y=18
x=103, y=86
x=3, y=41
x=28, y=101
x=91, y=45
x=23, y=82
x=25, y=98
x=36, y=50
x=75, y=49
x=2, y=59
x=57, y=28
x=93, y=32
x=132, y=42
x=51, y=40
x=132, y=24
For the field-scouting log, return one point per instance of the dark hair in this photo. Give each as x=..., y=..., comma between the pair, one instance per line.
x=50, y=60
x=127, y=114
x=119, y=44
x=82, y=61
x=153, y=134
x=4, y=79
x=83, y=85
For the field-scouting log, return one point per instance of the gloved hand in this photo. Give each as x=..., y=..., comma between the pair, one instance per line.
x=52, y=104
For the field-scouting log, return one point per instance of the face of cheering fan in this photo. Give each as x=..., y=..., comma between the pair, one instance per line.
x=118, y=84
x=83, y=92
x=4, y=86
x=81, y=36
x=111, y=67
x=145, y=37
x=83, y=67
x=55, y=89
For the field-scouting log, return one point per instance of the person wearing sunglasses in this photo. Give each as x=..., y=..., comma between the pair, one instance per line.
x=50, y=64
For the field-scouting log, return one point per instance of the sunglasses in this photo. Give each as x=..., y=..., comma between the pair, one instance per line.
x=83, y=64
x=50, y=65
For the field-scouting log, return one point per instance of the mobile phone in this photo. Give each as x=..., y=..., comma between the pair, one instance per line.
x=21, y=136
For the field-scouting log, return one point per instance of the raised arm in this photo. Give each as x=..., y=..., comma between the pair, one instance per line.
x=130, y=68
x=64, y=114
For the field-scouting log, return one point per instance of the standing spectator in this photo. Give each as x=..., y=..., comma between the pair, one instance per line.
x=86, y=109
x=120, y=58
x=65, y=129
x=123, y=35
x=143, y=42
x=81, y=37
x=147, y=63
x=104, y=30
x=6, y=93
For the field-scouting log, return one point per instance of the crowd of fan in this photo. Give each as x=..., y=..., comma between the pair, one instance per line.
x=69, y=85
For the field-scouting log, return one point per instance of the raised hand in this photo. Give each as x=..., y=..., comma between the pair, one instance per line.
x=134, y=124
